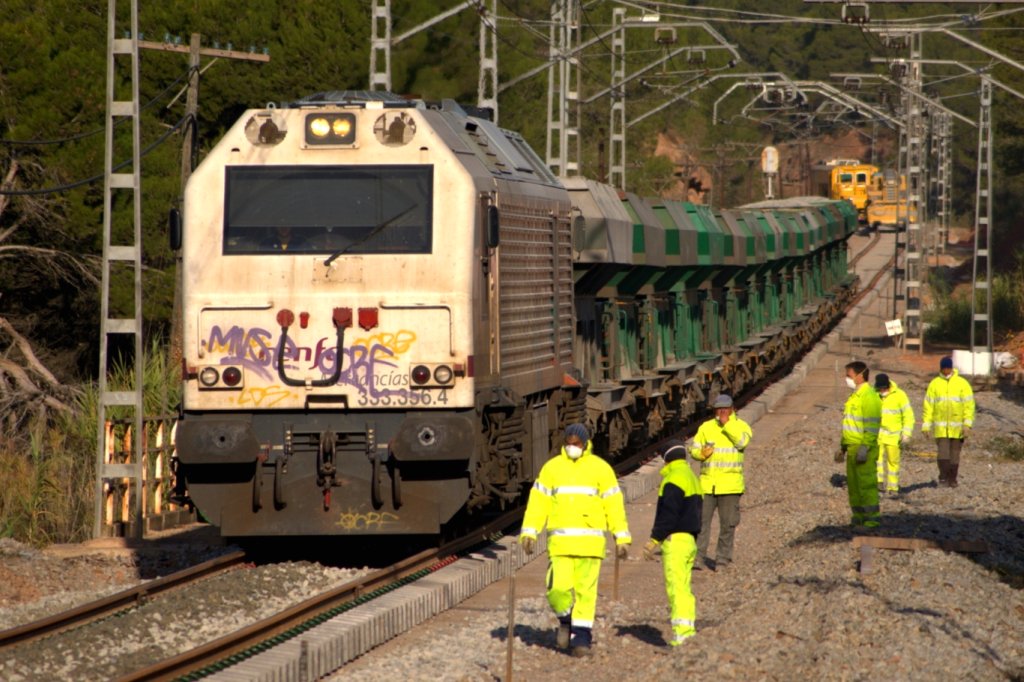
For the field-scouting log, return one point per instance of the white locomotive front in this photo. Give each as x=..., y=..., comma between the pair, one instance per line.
x=372, y=286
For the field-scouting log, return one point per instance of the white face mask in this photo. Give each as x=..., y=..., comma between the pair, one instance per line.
x=573, y=451
x=850, y=382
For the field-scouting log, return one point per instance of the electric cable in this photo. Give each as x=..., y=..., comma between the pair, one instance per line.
x=79, y=183
x=82, y=136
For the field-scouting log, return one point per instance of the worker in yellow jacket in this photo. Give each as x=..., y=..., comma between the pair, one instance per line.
x=676, y=524
x=897, y=427
x=949, y=408
x=577, y=496
x=862, y=417
x=719, y=446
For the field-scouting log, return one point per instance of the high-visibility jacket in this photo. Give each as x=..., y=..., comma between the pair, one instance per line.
x=722, y=472
x=578, y=500
x=948, y=406
x=862, y=417
x=679, y=502
x=897, y=417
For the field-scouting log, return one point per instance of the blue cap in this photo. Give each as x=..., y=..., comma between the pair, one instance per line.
x=722, y=400
x=946, y=363
x=578, y=430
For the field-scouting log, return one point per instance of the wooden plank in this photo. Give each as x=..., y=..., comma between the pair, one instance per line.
x=968, y=546
x=867, y=554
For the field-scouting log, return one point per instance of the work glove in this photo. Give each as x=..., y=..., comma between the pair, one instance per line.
x=529, y=544
x=622, y=551
x=707, y=451
x=840, y=454
x=904, y=438
x=966, y=431
x=862, y=454
x=650, y=550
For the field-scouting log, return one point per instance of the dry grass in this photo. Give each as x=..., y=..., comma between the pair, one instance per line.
x=48, y=469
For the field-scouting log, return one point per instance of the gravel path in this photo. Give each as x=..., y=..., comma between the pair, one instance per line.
x=173, y=623
x=793, y=605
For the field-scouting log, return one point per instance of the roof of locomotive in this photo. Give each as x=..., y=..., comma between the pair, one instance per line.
x=503, y=152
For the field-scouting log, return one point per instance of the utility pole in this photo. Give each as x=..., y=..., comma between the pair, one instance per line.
x=195, y=52
x=112, y=475
x=617, y=121
x=983, y=227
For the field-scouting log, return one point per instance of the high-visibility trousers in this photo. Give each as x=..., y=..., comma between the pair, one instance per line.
x=572, y=588
x=862, y=486
x=889, y=458
x=677, y=554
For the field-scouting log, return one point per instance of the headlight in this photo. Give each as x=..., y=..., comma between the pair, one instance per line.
x=320, y=127
x=342, y=127
x=331, y=129
x=209, y=376
x=443, y=374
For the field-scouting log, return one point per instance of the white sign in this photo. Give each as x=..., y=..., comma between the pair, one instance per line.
x=894, y=327
x=770, y=160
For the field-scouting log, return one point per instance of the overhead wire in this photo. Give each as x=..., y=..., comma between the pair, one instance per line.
x=82, y=136
x=187, y=118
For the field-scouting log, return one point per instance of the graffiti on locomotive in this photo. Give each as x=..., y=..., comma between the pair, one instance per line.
x=370, y=364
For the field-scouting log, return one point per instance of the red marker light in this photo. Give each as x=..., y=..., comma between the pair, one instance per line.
x=420, y=374
x=285, y=317
x=368, y=318
x=342, y=317
x=231, y=376
x=303, y=320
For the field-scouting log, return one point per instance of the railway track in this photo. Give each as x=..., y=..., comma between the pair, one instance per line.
x=269, y=632
x=118, y=602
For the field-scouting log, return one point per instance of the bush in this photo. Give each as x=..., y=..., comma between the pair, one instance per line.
x=49, y=470
x=950, y=320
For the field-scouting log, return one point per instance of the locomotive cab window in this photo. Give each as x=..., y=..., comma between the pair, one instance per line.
x=329, y=210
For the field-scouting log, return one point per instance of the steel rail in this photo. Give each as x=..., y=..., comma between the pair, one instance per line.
x=119, y=601
x=300, y=616
x=297, y=616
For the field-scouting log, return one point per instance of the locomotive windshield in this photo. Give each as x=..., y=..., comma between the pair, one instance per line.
x=328, y=209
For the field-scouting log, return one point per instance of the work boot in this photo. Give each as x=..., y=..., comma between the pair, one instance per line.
x=581, y=641
x=562, y=633
x=954, y=469
x=943, y=471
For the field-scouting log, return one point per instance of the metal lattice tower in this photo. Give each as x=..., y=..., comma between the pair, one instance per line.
x=899, y=273
x=380, y=45
x=117, y=258
x=487, y=85
x=983, y=227
x=617, y=121
x=563, y=140
x=944, y=188
x=915, y=162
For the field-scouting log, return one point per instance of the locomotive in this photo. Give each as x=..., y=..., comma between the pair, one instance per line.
x=392, y=309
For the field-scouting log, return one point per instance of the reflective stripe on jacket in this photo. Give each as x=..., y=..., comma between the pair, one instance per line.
x=948, y=406
x=578, y=500
x=722, y=472
x=897, y=417
x=862, y=416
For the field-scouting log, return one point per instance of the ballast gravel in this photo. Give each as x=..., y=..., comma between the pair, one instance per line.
x=173, y=623
x=794, y=604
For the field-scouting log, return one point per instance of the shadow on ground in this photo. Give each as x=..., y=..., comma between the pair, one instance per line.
x=1004, y=535
x=648, y=634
